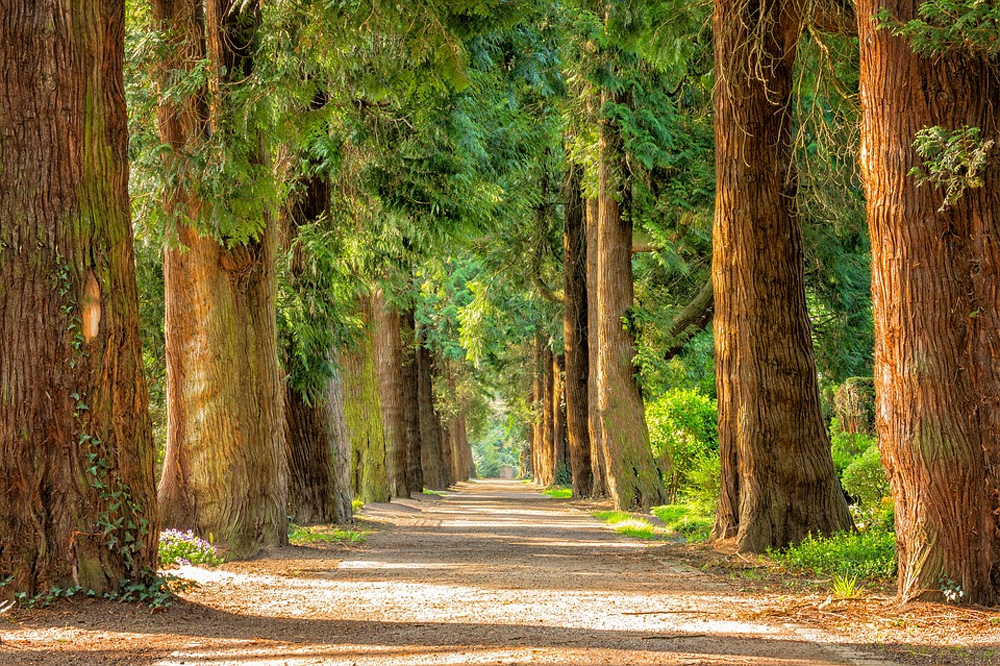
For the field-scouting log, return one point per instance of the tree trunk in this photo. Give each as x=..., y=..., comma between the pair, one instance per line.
x=633, y=477
x=319, y=456
x=547, y=454
x=560, y=449
x=363, y=413
x=389, y=355
x=778, y=480
x=411, y=404
x=598, y=473
x=575, y=330
x=431, y=458
x=225, y=472
x=76, y=448
x=935, y=289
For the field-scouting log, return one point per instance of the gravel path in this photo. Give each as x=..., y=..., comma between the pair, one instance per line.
x=493, y=573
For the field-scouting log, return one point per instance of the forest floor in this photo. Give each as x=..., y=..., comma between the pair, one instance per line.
x=493, y=572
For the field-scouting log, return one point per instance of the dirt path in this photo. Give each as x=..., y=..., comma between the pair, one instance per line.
x=494, y=573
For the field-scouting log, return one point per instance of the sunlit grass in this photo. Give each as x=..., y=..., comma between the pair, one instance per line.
x=303, y=536
x=629, y=525
x=559, y=492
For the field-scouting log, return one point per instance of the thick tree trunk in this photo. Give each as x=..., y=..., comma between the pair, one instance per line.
x=319, y=456
x=935, y=289
x=575, y=331
x=634, y=478
x=778, y=480
x=411, y=404
x=224, y=470
x=363, y=413
x=76, y=448
x=598, y=473
x=431, y=457
x=389, y=355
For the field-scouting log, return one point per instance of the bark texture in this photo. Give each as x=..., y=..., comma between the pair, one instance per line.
x=778, y=480
x=225, y=472
x=575, y=334
x=74, y=422
x=363, y=413
x=935, y=289
x=634, y=479
x=389, y=357
x=411, y=404
x=599, y=486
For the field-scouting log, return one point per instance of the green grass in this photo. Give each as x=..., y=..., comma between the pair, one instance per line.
x=438, y=493
x=629, y=525
x=864, y=555
x=559, y=492
x=686, y=519
x=303, y=536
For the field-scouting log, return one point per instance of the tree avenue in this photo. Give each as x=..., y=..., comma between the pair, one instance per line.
x=264, y=262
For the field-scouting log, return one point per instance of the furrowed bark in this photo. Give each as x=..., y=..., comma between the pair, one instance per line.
x=935, y=289
x=778, y=480
x=74, y=421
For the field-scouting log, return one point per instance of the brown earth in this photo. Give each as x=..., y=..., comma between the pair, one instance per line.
x=493, y=573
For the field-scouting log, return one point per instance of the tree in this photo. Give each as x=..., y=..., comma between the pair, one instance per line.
x=225, y=471
x=935, y=277
x=778, y=480
x=76, y=451
x=633, y=477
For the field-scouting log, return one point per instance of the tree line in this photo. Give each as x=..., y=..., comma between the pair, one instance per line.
x=329, y=238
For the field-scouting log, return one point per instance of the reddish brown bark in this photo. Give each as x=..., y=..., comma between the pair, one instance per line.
x=778, y=480
x=74, y=423
x=575, y=334
x=935, y=289
x=598, y=474
x=634, y=479
x=389, y=358
x=411, y=404
x=225, y=471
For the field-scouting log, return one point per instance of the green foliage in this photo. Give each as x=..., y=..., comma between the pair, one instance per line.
x=951, y=160
x=690, y=520
x=629, y=525
x=941, y=26
x=304, y=536
x=682, y=429
x=865, y=479
x=867, y=555
x=559, y=492
x=177, y=548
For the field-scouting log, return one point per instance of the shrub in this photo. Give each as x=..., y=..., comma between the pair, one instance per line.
x=682, y=429
x=870, y=554
x=177, y=548
x=865, y=479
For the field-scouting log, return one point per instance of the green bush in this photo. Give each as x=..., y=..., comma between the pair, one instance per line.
x=865, y=479
x=682, y=430
x=870, y=554
x=846, y=447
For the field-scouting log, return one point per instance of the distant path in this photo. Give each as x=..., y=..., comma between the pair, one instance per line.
x=494, y=573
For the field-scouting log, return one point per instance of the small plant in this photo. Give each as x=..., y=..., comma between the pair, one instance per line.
x=952, y=591
x=846, y=587
x=183, y=548
x=559, y=492
x=952, y=160
x=302, y=536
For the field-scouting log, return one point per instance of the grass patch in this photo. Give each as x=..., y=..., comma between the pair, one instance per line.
x=862, y=555
x=629, y=525
x=559, y=492
x=686, y=519
x=437, y=493
x=304, y=536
